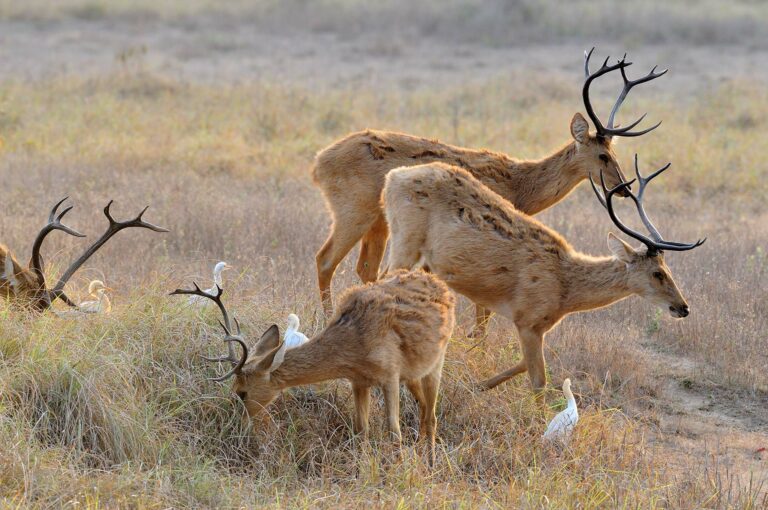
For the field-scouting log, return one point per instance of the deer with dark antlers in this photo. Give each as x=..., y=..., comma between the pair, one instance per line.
x=351, y=174
x=445, y=220
x=26, y=286
x=383, y=333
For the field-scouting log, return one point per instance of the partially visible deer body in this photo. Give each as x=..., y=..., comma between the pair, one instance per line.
x=351, y=173
x=26, y=286
x=448, y=222
x=383, y=333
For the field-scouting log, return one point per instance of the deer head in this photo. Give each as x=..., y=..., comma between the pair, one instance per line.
x=27, y=286
x=595, y=151
x=648, y=274
x=252, y=381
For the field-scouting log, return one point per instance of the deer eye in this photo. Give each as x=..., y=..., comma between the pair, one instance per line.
x=604, y=158
x=241, y=395
x=659, y=276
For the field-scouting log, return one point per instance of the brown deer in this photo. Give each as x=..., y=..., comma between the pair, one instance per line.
x=383, y=333
x=351, y=172
x=26, y=286
x=446, y=221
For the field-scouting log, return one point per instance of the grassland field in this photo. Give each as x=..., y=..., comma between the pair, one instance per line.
x=212, y=114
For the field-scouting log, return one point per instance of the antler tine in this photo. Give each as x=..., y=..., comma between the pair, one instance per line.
x=113, y=228
x=628, y=84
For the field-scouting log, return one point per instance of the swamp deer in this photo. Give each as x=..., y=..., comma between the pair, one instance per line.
x=446, y=221
x=350, y=173
x=26, y=286
x=383, y=333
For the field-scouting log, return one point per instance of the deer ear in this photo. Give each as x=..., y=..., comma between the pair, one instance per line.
x=268, y=341
x=9, y=272
x=579, y=128
x=620, y=249
x=273, y=360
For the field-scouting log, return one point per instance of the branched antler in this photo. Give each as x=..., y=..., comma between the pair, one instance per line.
x=609, y=129
x=655, y=242
x=113, y=228
x=229, y=338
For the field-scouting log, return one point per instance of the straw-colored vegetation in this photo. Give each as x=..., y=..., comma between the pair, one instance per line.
x=116, y=411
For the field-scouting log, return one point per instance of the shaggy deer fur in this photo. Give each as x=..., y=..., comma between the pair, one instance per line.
x=351, y=172
x=447, y=221
x=383, y=333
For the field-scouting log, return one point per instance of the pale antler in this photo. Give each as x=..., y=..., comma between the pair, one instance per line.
x=113, y=228
x=609, y=129
x=655, y=242
x=229, y=338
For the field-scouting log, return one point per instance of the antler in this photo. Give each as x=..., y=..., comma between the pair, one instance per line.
x=113, y=228
x=229, y=338
x=610, y=130
x=655, y=242
x=54, y=223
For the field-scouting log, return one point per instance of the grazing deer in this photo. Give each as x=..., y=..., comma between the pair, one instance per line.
x=27, y=286
x=351, y=172
x=445, y=220
x=382, y=333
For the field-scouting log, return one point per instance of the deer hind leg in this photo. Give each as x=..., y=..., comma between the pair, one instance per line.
x=372, y=250
x=414, y=386
x=348, y=228
x=482, y=318
x=501, y=377
x=392, y=402
x=362, y=408
x=533, y=355
x=404, y=251
x=430, y=385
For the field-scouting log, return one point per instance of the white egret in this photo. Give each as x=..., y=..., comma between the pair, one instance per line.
x=293, y=337
x=217, y=280
x=564, y=422
x=101, y=303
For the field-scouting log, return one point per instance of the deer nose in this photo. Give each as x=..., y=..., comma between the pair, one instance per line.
x=680, y=311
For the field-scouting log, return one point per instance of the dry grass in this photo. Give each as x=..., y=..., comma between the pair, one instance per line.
x=116, y=412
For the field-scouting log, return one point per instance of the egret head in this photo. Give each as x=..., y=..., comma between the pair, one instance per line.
x=97, y=287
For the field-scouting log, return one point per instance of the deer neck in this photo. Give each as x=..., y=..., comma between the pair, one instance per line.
x=594, y=282
x=310, y=363
x=536, y=185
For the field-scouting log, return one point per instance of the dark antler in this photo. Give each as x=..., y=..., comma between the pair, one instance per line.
x=610, y=130
x=54, y=223
x=655, y=242
x=113, y=228
x=229, y=338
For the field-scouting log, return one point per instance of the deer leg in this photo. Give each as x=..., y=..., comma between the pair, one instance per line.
x=504, y=376
x=430, y=385
x=392, y=401
x=346, y=231
x=533, y=355
x=482, y=317
x=372, y=250
x=414, y=386
x=362, y=408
